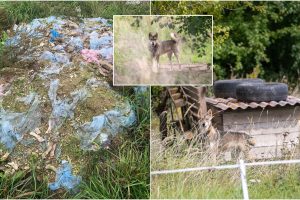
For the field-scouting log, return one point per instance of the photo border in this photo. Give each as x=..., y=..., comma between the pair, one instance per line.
x=166, y=85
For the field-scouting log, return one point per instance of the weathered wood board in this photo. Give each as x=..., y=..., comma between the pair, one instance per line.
x=185, y=67
x=273, y=129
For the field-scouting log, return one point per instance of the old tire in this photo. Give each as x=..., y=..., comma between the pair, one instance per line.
x=227, y=88
x=248, y=92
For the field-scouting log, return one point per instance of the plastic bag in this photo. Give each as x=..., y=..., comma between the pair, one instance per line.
x=63, y=108
x=97, y=132
x=14, y=125
x=64, y=178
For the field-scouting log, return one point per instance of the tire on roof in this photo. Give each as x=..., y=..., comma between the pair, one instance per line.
x=248, y=92
x=226, y=88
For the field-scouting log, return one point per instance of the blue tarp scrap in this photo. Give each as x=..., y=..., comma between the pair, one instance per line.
x=14, y=125
x=97, y=132
x=64, y=178
x=54, y=35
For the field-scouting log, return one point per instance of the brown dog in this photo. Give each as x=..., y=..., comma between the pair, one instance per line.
x=158, y=48
x=235, y=142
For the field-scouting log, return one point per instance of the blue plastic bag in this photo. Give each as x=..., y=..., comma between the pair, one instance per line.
x=54, y=35
x=64, y=178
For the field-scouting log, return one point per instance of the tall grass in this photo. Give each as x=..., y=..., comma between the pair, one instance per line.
x=280, y=181
x=124, y=175
x=27, y=11
x=124, y=171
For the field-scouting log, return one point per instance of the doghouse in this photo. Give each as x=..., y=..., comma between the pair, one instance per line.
x=275, y=126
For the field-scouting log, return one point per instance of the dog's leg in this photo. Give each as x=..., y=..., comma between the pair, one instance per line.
x=176, y=55
x=170, y=59
x=157, y=62
x=154, y=65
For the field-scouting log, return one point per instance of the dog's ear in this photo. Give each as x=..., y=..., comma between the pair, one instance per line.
x=150, y=35
x=209, y=113
x=155, y=35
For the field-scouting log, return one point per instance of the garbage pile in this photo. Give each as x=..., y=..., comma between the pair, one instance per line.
x=56, y=102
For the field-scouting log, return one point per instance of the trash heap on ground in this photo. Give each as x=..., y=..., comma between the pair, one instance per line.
x=56, y=100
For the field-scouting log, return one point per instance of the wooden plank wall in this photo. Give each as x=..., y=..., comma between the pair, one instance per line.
x=195, y=101
x=273, y=129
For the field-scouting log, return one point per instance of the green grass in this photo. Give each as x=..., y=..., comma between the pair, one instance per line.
x=273, y=182
x=128, y=177
x=26, y=11
x=123, y=172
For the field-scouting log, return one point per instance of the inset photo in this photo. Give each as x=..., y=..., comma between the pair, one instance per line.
x=163, y=50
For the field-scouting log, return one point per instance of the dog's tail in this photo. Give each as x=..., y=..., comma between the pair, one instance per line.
x=174, y=37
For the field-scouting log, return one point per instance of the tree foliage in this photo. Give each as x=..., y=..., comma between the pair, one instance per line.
x=198, y=29
x=251, y=39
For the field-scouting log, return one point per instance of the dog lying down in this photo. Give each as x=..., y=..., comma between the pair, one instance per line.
x=158, y=48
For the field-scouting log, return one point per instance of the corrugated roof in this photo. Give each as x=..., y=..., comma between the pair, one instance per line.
x=234, y=104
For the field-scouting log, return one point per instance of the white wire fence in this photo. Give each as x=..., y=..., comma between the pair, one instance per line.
x=242, y=165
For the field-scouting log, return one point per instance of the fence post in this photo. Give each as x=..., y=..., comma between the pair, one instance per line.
x=244, y=180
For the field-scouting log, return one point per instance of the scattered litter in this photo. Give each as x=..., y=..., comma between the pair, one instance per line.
x=90, y=55
x=39, y=138
x=53, y=69
x=76, y=43
x=14, y=165
x=27, y=99
x=4, y=157
x=51, y=167
x=254, y=181
x=14, y=125
x=96, y=41
x=65, y=60
x=65, y=178
x=140, y=89
x=55, y=57
x=52, y=152
x=2, y=88
x=97, y=132
x=37, y=131
x=62, y=109
x=49, y=148
x=90, y=33
x=94, y=83
x=54, y=35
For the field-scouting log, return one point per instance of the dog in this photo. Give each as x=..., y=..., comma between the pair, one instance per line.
x=158, y=48
x=236, y=142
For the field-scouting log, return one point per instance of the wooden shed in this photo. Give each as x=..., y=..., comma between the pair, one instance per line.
x=275, y=126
